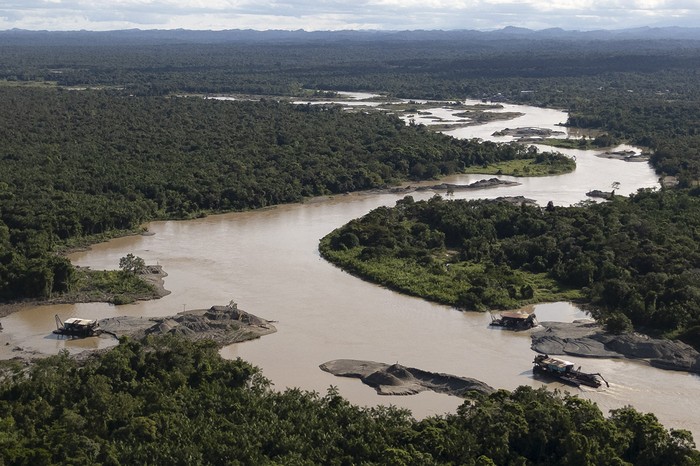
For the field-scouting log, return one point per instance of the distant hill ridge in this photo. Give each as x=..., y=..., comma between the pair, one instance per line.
x=174, y=36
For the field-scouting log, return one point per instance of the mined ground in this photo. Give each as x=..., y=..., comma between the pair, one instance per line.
x=396, y=379
x=588, y=339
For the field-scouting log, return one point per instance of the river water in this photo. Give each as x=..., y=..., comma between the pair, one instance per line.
x=267, y=261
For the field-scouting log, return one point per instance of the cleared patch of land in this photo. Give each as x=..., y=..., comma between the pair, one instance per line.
x=520, y=167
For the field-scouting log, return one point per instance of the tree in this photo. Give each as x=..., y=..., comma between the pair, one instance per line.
x=132, y=264
x=618, y=323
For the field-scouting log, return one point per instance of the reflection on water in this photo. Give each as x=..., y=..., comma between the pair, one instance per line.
x=268, y=262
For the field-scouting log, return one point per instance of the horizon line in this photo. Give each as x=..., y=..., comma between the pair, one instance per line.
x=301, y=30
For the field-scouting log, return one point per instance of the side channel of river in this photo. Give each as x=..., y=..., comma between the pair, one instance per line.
x=268, y=262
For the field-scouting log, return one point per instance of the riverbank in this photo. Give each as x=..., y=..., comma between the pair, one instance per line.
x=450, y=188
x=528, y=135
x=588, y=339
x=224, y=325
x=152, y=275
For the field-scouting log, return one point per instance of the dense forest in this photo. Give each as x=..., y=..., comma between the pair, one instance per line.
x=642, y=90
x=169, y=401
x=634, y=259
x=78, y=164
x=97, y=137
x=127, y=125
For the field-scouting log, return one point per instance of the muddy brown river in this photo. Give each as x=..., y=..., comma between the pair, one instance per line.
x=267, y=261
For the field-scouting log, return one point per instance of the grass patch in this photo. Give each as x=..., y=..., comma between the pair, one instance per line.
x=466, y=285
x=113, y=286
x=523, y=167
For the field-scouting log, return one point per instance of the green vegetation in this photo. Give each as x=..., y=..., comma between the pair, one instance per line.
x=568, y=143
x=667, y=124
x=434, y=274
x=546, y=163
x=634, y=256
x=169, y=401
x=112, y=286
x=131, y=265
x=78, y=165
x=642, y=91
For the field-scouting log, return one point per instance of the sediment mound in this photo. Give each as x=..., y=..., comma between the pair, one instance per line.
x=223, y=324
x=588, y=339
x=396, y=379
x=480, y=184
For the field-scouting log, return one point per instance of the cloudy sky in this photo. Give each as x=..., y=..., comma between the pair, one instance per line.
x=312, y=15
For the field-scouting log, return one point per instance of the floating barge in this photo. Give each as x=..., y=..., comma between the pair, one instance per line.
x=514, y=320
x=565, y=372
x=77, y=327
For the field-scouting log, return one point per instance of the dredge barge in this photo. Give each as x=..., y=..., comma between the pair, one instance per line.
x=564, y=371
x=76, y=327
x=514, y=320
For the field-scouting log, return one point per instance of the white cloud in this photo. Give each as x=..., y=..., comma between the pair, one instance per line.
x=341, y=14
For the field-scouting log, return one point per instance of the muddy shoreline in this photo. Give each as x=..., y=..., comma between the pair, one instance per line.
x=153, y=275
x=583, y=338
x=10, y=348
x=224, y=325
x=448, y=187
x=588, y=339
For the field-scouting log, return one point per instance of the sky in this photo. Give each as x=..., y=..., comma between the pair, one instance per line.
x=330, y=15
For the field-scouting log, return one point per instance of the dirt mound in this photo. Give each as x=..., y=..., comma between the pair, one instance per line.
x=587, y=339
x=396, y=379
x=223, y=324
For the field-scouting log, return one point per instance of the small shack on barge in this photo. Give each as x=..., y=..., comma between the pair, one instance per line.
x=77, y=327
x=514, y=320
